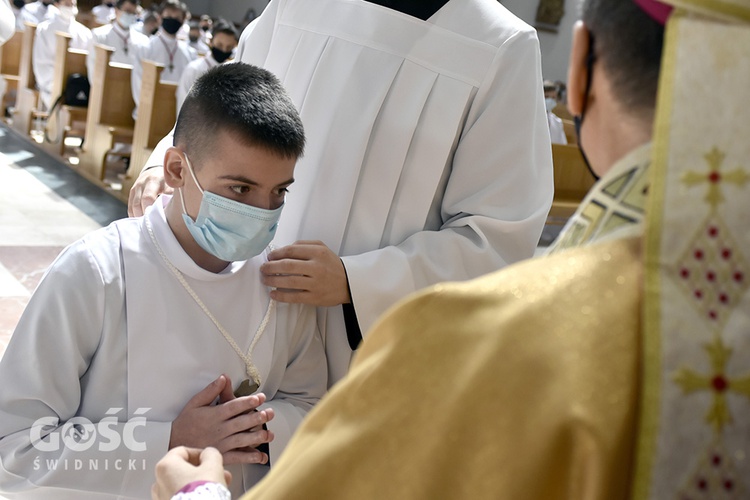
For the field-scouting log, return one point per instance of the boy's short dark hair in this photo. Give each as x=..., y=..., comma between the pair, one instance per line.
x=120, y=3
x=223, y=26
x=175, y=5
x=629, y=44
x=249, y=102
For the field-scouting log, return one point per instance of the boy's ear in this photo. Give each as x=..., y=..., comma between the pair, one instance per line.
x=577, y=70
x=174, y=168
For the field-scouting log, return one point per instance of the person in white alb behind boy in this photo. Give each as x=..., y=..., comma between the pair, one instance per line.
x=120, y=35
x=165, y=48
x=223, y=42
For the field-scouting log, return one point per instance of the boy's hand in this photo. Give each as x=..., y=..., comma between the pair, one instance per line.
x=181, y=466
x=306, y=272
x=235, y=427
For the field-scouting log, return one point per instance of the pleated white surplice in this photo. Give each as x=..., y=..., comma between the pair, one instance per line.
x=428, y=154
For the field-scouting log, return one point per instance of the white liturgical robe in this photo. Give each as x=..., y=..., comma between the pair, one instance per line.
x=103, y=13
x=428, y=153
x=126, y=43
x=193, y=71
x=43, y=53
x=111, y=337
x=38, y=11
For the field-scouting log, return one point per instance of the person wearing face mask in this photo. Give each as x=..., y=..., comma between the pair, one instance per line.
x=223, y=43
x=21, y=14
x=204, y=370
x=43, y=52
x=556, y=129
x=164, y=48
x=195, y=40
x=119, y=34
x=39, y=11
x=104, y=12
x=149, y=23
x=206, y=25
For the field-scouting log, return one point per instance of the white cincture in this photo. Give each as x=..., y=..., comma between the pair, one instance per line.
x=251, y=369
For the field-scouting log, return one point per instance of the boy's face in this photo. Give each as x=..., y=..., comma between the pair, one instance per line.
x=248, y=174
x=126, y=8
x=173, y=13
x=224, y=42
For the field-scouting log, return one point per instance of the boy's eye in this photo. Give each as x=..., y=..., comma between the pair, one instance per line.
x=240, y=189
x=282, y=191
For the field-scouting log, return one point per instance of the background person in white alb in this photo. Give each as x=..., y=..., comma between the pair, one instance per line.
x=120, y=35
x=43, y=54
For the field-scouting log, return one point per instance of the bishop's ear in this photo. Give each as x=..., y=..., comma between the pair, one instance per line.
x=577, y=69
x=175, y=168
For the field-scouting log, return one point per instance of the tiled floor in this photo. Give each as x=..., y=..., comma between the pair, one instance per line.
x=44, y=206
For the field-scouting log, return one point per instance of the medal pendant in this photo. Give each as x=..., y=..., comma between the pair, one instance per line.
x=171, y=68
x=246, y=388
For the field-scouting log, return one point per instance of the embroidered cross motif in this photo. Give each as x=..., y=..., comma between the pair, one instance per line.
x=713, y=272
x=690, y=381
x=715, y=177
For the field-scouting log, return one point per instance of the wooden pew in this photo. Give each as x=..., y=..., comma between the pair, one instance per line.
x=72, y=119
x=561, y=110
x=10, y=65
x=156, y=117
x=572, y=181
x=27, y=97
x=570, y=131
x=110, y=114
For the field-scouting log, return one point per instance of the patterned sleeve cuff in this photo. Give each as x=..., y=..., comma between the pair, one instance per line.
x=203, y=490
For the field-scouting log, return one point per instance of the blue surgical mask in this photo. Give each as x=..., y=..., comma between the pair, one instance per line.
x=127, y=19
x=230, y=230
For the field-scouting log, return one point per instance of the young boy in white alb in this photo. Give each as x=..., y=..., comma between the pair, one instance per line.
x=157, y=332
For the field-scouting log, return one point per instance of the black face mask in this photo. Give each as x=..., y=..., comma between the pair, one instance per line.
x=193, y=39
x=578, y=120
x=19, y=3
x=110, y=4
x=171, y=25
x=204, y=28
x=220, y=55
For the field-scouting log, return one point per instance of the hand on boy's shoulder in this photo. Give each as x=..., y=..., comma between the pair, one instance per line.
x=306, y=272
x=149, y=186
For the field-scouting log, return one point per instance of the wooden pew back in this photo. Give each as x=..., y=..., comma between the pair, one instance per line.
x=111, y=101
x=10, y=55
x=572, y=180
x=156, y=115
x=25, y=71
x=27, y=97
x=67, y=62
x=110, y=110
x=10, y=65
